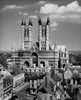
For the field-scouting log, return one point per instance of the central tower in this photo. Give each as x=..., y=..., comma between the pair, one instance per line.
x=43, y=37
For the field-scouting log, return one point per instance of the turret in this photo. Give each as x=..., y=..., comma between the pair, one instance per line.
x=30, y=23
x=22, y=23
x=40, y=32
x=22, y=34
x=59, y=60
x=47, y=33
x=48, y=21
x=30, y=33
x=39, y=21
x=43, y=34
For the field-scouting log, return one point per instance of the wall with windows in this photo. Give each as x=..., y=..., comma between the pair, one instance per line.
x=18, y=80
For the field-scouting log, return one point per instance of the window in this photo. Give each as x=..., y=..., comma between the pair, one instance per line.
x=65, y=55
x=62, y=54
x=51, y=98
x=32, y=85
x=34, y=70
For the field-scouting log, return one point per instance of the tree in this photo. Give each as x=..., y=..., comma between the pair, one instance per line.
x=3, y=61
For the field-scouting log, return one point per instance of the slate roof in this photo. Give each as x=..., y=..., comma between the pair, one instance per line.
x=69, y=92
x=15, y=71
x=56, y=78
x=61, y=71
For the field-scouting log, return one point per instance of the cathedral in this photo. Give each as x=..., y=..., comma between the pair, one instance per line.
x=41, y=53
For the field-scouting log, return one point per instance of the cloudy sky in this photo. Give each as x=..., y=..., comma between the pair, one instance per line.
x=65, y=21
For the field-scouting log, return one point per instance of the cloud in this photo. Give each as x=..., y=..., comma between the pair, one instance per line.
x=42, y=2
x=33, y=16
x=53, y=29
x=64, y=16
x=54, y=24
x=36, y=11
x=20, y=13
x=11, y=7
x=70, y=12
x=54, y=8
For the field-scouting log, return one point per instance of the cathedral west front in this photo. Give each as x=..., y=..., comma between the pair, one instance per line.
x=40, y=53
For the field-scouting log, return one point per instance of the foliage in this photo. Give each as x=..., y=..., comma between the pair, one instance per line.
x=75, y=58
x=3, y=59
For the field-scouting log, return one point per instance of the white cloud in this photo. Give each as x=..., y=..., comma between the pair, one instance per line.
x=10, y=7
x=42, y=2
x=33, y=16
x=53, y=29
x=74, y=16
x=36, y=11
x=64, y=16
x=48, y=8
x=54, y=24
x=54, y=8
x=70, y=12
x=25, y=14
x=20, y=13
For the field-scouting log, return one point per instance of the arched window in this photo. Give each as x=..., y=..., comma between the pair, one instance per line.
x=27, y=64
x=42, y=63
x=25, y=33
x=35, y=59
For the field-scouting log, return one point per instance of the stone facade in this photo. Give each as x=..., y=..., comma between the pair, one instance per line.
x=41, y=53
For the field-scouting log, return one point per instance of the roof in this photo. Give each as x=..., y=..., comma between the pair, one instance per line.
x=69, y=92
x=34, y=76
x=56, y=78
x=39, y=98
x=22, y=88
x=15, y=71
x=21, y=92
x=47, y=89
x=79, y=96
x=60, y=70
x=59, y=91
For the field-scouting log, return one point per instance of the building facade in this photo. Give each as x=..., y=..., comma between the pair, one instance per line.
x=1, y=87
x=40, y=53
x=7, y=87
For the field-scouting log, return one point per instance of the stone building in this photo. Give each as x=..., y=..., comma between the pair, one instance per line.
x=41, y=53
x=1, y=87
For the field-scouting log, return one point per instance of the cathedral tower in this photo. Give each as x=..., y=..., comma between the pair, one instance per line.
x=40, y=32
x=22, y=35
x=26, y=32
x=43, y=34
x=30, y=33
x=47, y=33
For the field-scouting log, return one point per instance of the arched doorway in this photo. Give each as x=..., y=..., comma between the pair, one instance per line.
x=42, y=64
x=26, y=63
x=34, y=59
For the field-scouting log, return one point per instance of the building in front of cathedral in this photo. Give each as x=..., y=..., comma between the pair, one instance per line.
x=39, y=54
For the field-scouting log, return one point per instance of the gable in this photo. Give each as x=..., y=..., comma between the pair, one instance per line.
x=34, y=48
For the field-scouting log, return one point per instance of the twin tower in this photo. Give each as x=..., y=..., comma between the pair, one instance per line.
x=43, y=35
